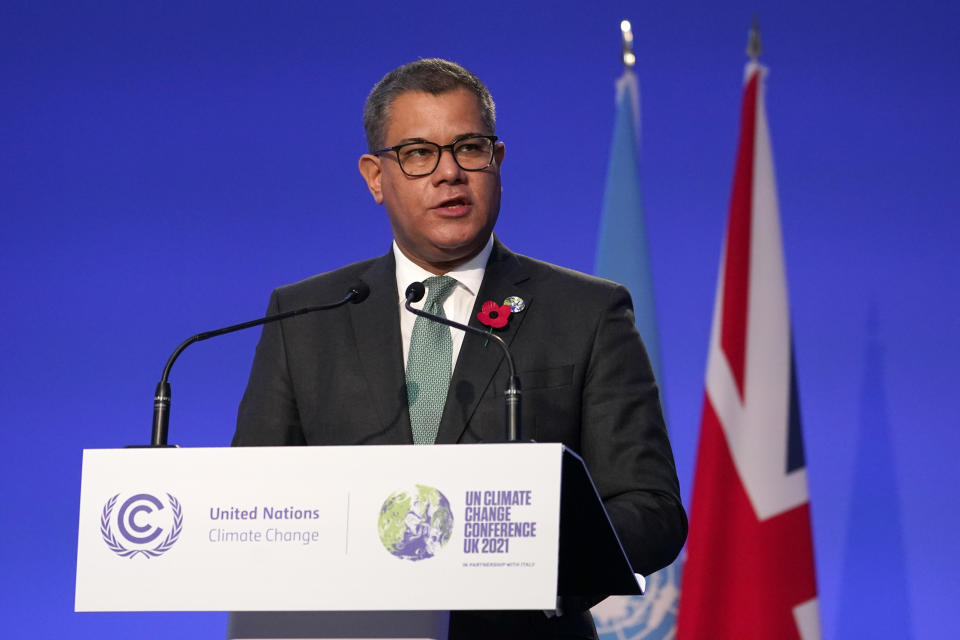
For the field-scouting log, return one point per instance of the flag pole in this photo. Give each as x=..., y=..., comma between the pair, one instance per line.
x=626, y=45
x=754, y=45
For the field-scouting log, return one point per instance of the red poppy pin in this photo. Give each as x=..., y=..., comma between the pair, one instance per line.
x=494, y=315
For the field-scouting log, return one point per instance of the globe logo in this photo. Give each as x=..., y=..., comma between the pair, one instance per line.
x=416, y=523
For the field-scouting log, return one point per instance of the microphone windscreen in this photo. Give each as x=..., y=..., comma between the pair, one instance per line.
x=415, y=292
x=360, y=291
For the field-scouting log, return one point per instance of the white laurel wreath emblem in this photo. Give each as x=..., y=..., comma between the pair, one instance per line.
x=114, y=545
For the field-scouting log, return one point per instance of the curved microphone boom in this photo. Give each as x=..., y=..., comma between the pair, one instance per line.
x=512, y=394
x=161, y=398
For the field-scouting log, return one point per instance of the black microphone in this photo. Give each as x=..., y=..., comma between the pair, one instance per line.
x=512, y=394
x=161, y=399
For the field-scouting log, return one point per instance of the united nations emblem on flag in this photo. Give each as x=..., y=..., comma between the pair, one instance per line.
x=145, y=525
x=651, y=617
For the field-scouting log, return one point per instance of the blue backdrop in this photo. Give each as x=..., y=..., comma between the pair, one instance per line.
x=163, y=165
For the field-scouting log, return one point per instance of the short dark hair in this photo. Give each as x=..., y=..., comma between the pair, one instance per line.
x=429, y=75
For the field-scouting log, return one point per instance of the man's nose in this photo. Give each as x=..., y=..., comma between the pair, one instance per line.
x=447, y=167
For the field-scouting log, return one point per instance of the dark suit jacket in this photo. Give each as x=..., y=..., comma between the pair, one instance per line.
x=337, y=378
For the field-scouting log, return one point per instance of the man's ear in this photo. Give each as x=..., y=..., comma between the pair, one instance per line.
x=369, y=166
x=499, y=150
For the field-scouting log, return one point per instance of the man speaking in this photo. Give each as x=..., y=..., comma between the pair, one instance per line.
x=373, y=373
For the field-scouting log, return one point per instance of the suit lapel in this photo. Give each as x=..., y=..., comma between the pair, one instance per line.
x=377, y=332
x=477, y=364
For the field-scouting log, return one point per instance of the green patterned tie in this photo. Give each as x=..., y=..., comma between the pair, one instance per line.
x=429, y=363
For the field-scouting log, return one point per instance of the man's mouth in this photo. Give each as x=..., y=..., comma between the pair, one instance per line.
x=453, y=204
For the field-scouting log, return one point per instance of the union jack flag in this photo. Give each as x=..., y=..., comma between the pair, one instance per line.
x=750, y=566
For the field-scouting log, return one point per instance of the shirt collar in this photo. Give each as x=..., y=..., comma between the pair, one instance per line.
x=468, y=275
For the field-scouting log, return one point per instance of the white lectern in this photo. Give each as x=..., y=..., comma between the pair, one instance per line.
x=343, y=529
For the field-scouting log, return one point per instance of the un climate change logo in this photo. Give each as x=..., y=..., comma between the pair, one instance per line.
x=415, y=524
x=140, y=521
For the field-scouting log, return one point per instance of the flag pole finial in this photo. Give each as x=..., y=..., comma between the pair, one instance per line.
x=754, y=45
x=626, y=44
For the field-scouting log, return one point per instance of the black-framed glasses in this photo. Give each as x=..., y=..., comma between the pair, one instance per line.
x=421, y=158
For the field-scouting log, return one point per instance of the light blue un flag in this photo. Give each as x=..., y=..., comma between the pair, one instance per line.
x=623, y=256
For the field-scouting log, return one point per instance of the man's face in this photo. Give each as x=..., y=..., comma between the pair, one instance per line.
x=441, y=220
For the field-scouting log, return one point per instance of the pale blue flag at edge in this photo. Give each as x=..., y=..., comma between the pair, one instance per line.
x=623, y=256
x=622, y=251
